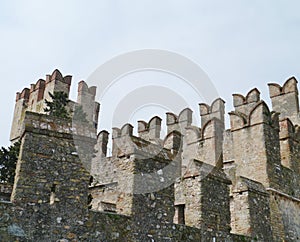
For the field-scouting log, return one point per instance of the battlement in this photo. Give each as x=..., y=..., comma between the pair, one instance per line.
x=150, y=131
x=41, y=85
x=23, y=95
x=258, y=114
x=83, y=88
x=253, y=96
x=198, y=183
x=125, y=144
x=215, y=110
x=86, y=99
x=285, y=99
x=179, y=122
x=33, y=99
x=289, y=86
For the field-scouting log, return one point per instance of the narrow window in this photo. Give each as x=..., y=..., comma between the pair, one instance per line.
x=217, y=218
x=90, y=199
x=179, y=214
x=91, y=180
x=52, y=194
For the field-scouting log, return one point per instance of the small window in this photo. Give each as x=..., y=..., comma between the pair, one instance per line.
x=218, y=221
x=52, y=194
x=90, y=199
x=179, y=214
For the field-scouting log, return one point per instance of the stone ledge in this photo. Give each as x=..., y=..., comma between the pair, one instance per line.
x=283, y=194
x=45, y=124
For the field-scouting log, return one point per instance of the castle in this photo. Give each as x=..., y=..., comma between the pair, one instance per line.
x=196, y=184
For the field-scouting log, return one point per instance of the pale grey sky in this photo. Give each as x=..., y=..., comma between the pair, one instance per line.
x=239, y=44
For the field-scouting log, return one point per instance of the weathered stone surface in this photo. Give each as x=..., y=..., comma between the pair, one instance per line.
x=196, y=184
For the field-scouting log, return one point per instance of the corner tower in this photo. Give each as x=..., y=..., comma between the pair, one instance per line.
x=33, y=99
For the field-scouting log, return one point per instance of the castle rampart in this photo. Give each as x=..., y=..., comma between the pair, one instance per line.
x=198, y=183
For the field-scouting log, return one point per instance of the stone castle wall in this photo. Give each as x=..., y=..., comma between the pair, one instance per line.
x=196, y=184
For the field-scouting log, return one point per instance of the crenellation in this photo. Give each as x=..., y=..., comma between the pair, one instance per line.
x=259, y=114
x=171, y=118
x=32, y=87
x=207, y=140
x=215, y=110
x=99, y=161
x=179, y=122
x=150, y=131
x=172, y=122
x=289, y=144
x=120, y=139
x=40, y=86
x=86, y=99
x=209, y=147
x=102, y=141
x=185, y=117
x=244, y=104
x=127, y=130
x=57, y=76
x=155, y=124
x=23, y=95
x=285, y=99
x=253, y=96
x=289, y=86
x=142, y=126
x=83, y=88
x=116, y=133
x=57, y=83
x=36, y=102
x=198, y=183
x=33, y=100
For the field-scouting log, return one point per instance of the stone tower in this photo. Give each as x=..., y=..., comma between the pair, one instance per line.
x=50, y=179
x=33, y=99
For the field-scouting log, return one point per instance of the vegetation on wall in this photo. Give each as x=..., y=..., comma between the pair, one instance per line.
x=57, y=107
x=8, y=161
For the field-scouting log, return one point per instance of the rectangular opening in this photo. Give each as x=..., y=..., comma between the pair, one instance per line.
x=52, y=194
x=179, y=217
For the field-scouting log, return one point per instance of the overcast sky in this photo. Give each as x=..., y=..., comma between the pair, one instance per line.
x=239, y=44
